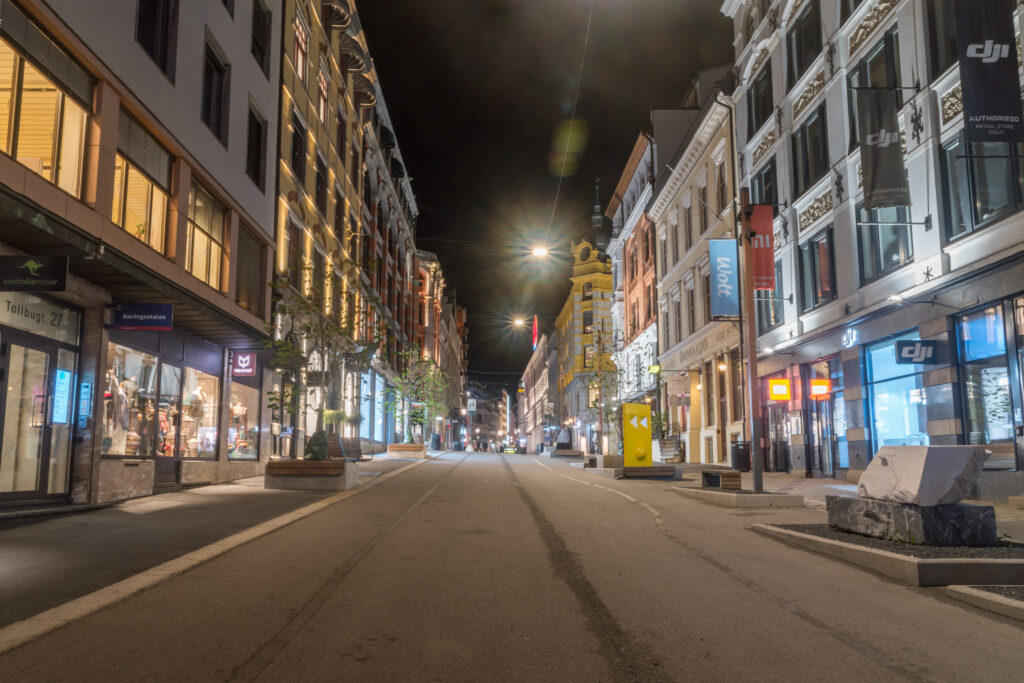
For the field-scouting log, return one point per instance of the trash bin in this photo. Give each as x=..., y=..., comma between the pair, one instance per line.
x=741, y=456
x=435, y=443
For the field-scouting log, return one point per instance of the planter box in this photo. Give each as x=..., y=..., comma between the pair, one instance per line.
x=407, y=450
x=318, y=475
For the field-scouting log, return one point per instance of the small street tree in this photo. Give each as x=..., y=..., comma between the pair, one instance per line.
x=422, y=385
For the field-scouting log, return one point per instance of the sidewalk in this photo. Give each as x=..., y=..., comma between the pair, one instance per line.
x=54, y=560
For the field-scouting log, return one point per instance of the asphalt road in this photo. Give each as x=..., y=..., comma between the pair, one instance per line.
x=479, y=567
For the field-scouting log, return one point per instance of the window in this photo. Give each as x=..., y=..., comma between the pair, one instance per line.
x=249, y=281
x=321, y=185
x=588, y=291
x=342, y=124
x=723, y=192
x=942, y=52
x=322, y=81
x=708, y=399
x=141, y=183
x=736, y=380
x=156, y=25
x=261, y=22
x=50, y=126
x=702, y=199
x=336, y=295
x=760, y=100
x=679, y=321
x=691, y=310
x=770, y=312
x=205, y=237
x=883, y=241
x=675, y=244
x=749, y=26
x=296, y=255
x=215, y=94
x=200, y=412
x=688, y=231
x=244, y=425
x=588, y=322
x=982, y=182
x=256, y=149
x=817, y=271
x=985, y=385
x=764, y=186
x=707, y=298
x=896, y=397
x=810, y=151
x=130, y=385
x=301, y=55
x=664, y=255
x=803, y=42
x=880, y=68
x=339, y=214
x=318, y=275
x=298, y=161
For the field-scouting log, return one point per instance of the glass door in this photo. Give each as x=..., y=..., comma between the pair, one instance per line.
x=168, y=451
x=28, y=375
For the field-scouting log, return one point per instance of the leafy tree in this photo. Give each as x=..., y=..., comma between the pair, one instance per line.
x=423, y=385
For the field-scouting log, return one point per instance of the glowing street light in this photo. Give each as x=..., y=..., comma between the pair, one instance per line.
x=518, y=322
x=540, y=252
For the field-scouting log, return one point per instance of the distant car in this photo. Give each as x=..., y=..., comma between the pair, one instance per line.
x=509, y=449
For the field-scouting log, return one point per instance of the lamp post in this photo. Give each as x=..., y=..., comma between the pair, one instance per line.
x=749, y=333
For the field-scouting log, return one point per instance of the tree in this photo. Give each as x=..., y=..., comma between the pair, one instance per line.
x=606, y=380
x=423, y=386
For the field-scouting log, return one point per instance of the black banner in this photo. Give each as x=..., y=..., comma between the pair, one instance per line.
x=33, y=273
x=881, y=150
x=987, y=50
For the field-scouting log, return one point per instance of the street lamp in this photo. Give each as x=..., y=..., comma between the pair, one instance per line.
x=518, y=322
x=540, y=252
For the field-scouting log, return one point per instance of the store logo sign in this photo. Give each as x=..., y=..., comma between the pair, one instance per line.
x=33, y=273
x=849, y=338
x=243, y=364
x=917, y=352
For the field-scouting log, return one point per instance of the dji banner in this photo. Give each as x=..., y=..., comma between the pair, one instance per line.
x=917, y=352
x=987, y=50
x=881, y=152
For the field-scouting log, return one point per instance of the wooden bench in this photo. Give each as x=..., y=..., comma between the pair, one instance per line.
x=305, y=468
x=649, y=471
x=727, y=480
x=352, y=448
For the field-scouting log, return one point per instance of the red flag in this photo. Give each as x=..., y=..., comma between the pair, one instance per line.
x=763, y=248
x=534, y=333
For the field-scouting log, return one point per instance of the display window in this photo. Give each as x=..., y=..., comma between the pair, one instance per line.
x=200, y=409
x=897, y=396
x=129, y=402
x=985, y=383
x=244, y=422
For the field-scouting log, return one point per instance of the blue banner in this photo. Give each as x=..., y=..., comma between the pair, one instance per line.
x=725, y=280
x=144, y=317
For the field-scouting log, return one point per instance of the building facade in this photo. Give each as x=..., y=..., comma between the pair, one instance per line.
x=852, y=284
x=700, y=362
x=632, y=251
x=535, y=406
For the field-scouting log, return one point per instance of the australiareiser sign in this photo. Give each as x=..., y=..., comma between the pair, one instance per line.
x=33, y=273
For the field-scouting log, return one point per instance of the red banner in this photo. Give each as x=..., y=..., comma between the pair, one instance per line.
x=763, y=247
x=534, y=333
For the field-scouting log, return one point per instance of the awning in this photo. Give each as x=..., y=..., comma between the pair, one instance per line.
x=387, y=138
x=335, y=14
x=397, y=168
x=351, y=54
x=365, y=93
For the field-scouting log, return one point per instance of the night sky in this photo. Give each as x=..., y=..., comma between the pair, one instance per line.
x=477, y=90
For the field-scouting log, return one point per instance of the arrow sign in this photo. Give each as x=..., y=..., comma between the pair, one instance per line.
x=643, y=421
x=633, y=422
x=636, y=420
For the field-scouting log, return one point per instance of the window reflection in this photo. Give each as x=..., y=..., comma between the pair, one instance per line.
x=128, y=402
x=200, y=409
x=243, y=422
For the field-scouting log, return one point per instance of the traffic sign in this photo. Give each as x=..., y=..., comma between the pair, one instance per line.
x=636, y=434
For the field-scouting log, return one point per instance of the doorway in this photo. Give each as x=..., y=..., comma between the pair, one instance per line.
x=37, y=398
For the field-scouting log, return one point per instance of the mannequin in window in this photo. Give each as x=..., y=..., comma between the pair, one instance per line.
x=120, y=419
x=195, y=410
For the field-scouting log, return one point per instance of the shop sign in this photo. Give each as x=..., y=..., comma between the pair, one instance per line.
x=725, y=284
x=850, y=338
x=243, y=364
x=821, y=388
x=779, y=390
x=37, y=316
x=917, y=352
x=471, y=406
x=33, y=273
x=762, y=247
x=151, y=317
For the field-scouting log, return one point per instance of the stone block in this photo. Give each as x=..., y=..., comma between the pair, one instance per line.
x=610, y=460
x=1016, y=502
x=945, y=525
x=922, y=475
x=124, y=479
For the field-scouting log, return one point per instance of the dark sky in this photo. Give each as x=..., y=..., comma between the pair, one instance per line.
x=476, y=90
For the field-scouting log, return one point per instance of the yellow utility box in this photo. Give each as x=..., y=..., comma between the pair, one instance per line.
x=636, y=435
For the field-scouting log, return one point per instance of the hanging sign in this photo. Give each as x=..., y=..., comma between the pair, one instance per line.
x=881, y=150
x=243, y=363
x=725, y=283
x=821, y=388
x=763, y=247
x=33, y=273
x=534, y=333
x=152, y=317
x=471, y=406
x=986, y=47
x=779, y=390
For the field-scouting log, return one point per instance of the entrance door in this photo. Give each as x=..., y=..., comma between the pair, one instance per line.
x=168, y=451
x=36, y=390
x=776, y=438
x=822, y=434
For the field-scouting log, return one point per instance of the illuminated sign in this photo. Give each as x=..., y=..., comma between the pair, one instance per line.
x=654, y=369
x=821, y=388
x=61, y=397
x=849, y=338
x=779, y=390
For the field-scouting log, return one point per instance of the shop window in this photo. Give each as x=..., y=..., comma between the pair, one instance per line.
x=205, y=236
x=983, y=183
x=817, y=271
x=879, y=69
x=810, y=151
x=707, y=396
x=985, y=383
x=256, y=149
x=250, y=285
x=244, y=422
x=942, y=52
x=897, y=397
x=50, y=125
x=803, y=44
x=883, y=241
x=156, y=28
x=764, y=186
x=846, y=8
x=129, y=402
x=214, y=105
x=200, y=413
x=760, y=100
x=770, y=311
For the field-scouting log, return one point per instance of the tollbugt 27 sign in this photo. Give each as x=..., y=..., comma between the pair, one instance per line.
x=33, y=273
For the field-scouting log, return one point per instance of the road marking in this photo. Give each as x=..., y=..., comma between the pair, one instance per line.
x=21, y=632
x=586, y=483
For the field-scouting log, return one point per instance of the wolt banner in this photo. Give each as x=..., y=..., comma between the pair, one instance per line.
x=763, y=246
x=881, y=152
x=725, y=282
x=987, y=50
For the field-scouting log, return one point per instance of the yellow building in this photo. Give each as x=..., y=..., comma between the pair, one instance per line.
x=585, y=344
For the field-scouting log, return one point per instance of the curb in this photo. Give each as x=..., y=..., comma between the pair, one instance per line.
x=742, y=500
x=21, y=632
x=988, y=601
x=912, y=570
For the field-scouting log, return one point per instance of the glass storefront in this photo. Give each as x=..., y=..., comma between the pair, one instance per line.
x=826, y=416
x=200, y=408
x=985, y=385
x=244, y=421
x=129, y=408
x=896, y=395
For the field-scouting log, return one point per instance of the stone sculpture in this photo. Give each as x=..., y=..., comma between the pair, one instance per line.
x=922, y=475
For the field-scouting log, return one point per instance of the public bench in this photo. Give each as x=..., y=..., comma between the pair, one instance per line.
x=727, y=480
x=352, y=450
